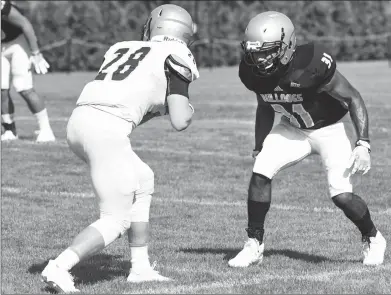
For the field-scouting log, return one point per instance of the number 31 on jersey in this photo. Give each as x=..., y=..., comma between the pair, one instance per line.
x=297, y=109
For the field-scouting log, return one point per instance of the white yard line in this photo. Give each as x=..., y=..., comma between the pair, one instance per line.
x=281, y=207
x=257, y=280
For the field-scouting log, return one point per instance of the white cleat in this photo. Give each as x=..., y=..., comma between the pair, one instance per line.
x=58, y=279
x=252, y=253
x=373, y=249
x=146, y=275
x=8, y=135
x=45, y=136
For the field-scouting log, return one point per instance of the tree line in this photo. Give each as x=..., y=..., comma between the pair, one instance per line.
x=358, y=28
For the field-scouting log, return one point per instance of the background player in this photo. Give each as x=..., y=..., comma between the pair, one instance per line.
x=138, y=80
x=19, y=48
x=302, y=84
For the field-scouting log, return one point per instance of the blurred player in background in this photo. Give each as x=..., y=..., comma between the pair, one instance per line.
x=315, y=100
x=19, y=49
x=138, y=80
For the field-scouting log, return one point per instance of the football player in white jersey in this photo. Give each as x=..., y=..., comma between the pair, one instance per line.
x=19, y=49
x=137, y=81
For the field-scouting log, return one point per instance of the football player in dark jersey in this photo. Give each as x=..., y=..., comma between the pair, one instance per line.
x=19, y=49
x=322, y=113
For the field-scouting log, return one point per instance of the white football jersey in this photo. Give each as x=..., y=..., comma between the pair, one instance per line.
x=132, y=82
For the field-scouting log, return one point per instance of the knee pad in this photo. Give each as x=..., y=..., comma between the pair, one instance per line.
x=352, y=205
x=5, y=73
x=146, y=179
x=260, y=188
x=111, y=228
x=143, y=196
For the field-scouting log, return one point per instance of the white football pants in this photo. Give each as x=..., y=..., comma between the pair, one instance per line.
x=287, y=145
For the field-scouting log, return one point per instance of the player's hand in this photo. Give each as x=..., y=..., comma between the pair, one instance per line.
x=41, y=66
x=360, y=160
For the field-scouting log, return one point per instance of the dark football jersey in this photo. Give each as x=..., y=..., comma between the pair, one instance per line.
x=294, y=93
x=9, y=30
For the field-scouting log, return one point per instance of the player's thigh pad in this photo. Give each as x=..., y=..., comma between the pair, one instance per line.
x=19, y=55
x=283, y=147
x=334, y=144
x=5, y=73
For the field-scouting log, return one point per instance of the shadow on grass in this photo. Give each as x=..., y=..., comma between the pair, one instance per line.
x=100, y=267
x=231, y=252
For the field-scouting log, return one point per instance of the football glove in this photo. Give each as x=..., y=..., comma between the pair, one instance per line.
x=360, y=160
x=40, y=64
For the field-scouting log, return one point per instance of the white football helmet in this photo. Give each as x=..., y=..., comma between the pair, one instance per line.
x=170, y=21
x=269, y=42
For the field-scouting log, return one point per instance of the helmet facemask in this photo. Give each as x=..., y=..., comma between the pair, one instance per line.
x=265, y=56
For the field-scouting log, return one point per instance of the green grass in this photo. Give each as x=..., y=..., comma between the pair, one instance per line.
x=198, y=214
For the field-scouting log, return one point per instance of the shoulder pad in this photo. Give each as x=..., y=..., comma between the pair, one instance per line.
x=5, y=7
x=321, y=67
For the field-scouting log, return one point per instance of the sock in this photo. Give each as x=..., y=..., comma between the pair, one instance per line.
x=67, y=259
x=366, y=226
x=357, y=211
x=43, y=120
x=139, y=257
x=256, y=218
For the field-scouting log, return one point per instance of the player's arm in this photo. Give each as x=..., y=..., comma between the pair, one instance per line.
x=178, y=79
x=19, y=20
x=264, y=120
x=264, y=117
x=14, y=16
x=340, y=88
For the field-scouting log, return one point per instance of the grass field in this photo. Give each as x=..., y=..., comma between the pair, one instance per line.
x=198, y=214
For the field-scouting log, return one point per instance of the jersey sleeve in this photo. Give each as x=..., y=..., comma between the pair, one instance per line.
x=321, y=68
x=178, y=67
x=182, y=61
x=5, y=7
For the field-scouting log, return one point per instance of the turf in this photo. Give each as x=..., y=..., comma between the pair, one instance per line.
x=198, y=213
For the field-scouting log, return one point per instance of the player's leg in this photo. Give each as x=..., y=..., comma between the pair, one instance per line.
x=7, y=105
x=23, y=84
x=283, y=147
x=102, y=142
x=335, y=147
x=138, y=233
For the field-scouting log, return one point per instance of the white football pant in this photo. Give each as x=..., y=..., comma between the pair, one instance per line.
x=287, y=145
x=121, y=180
x=16, y=65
